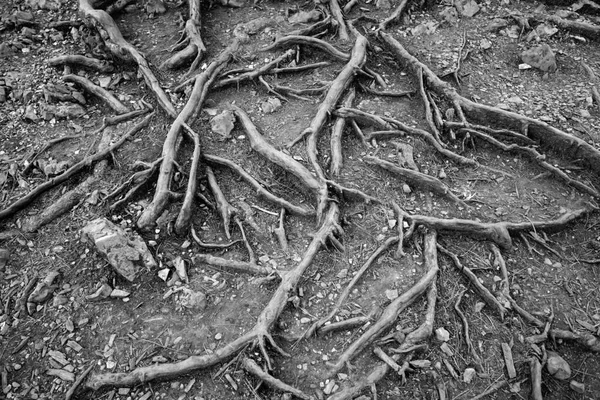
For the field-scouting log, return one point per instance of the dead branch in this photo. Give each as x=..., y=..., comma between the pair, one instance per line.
x=221, y=264
x=79, y=381
x=99, y=92
x=87, y=62
x=336, y=136
x=163, y=194
x=252, y=367
x=190, y=46
x=258, y=187
x=391, y=312
x=417, y=179
x=57, y=180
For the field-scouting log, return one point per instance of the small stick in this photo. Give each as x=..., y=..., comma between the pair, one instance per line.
x=508, y=361
x=386, y=359
x=496, y=386
x=359, y=133
x=280, y=231
x=78, y=381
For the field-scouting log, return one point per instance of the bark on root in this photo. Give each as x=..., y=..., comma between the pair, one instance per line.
x=391, y=312
x=190, y=46
x=87, y=62
x=546, y=134
x=163, y=194
x=98, y=91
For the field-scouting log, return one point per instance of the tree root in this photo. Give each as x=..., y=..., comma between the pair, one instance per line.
x=394, y=16
x=258, y=187
x=99, y=92
x=138, y=180
x=221, y=264
x=539, y=159
x=467, y=336
x=498, y=232
x=184, y=217
x=190, y=46
x=416, y=178
x=57, y=180
x=252, y=367
x=226, y=210
x=544, y=133
x=487, y=296
x=213, y=246
x=336, y=11
x=163, y=193
x=336, y=137
x=536, y=379
x=265, y=149
x=322, y=45
x=124, y=50
x=337, y=88
x=279, y=232
x=87, y=62
x=391, y=312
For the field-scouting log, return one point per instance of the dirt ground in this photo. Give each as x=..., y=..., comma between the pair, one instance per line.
x=550, y=273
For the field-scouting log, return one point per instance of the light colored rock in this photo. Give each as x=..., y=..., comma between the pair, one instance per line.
x=193, y=299
x=577, y=387
x=468, y=375
x=271, y=105
x=223, y=123
x=125, y=251
x=557, y=366
x=442, y=334
x=541, y=57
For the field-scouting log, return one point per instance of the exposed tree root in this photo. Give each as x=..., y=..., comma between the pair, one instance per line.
x=190, y=46
x=265, y=149
x=136, y=181
x=394, y=16
x=279, y=232
x=122, y=49
x=487, y=296
x=226, y=210
x=336, y=137
x=29, y=162
x=252, y=367
x=184, y=217
x=497, y=232
x=163, y=194
x=334, y=94
x=57, y=180
x=260, y=189
x=336, y=11
x=536, y=379
x=391, y=312
x=417, y=179
x=83, y=61
x=99, y=92
x=289, y=40
x=213, y=246
x=467, y=336
x=544, y=133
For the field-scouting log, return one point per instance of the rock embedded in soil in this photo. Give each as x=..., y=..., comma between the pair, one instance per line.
x=577, y=387
x=125, y=251
x=541, y=57
x=223, y=123
x=442, y=334
x=557, y=366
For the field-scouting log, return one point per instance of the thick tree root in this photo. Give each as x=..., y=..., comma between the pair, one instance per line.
x=322, y=45
x=497, y=232
x=258, y=187
x=83, y=61
x=99, y=92
x=336, y=137
x=288, y=163
x=416, y=178
x=122, y=49
x=223, y=264
x=336, y=11
x=57, y=180
x=163, y=194
x=335, y=92
x=391, y=312
x=190, y=46
x=184, y=217
x=547, y=135
x=252, y=367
